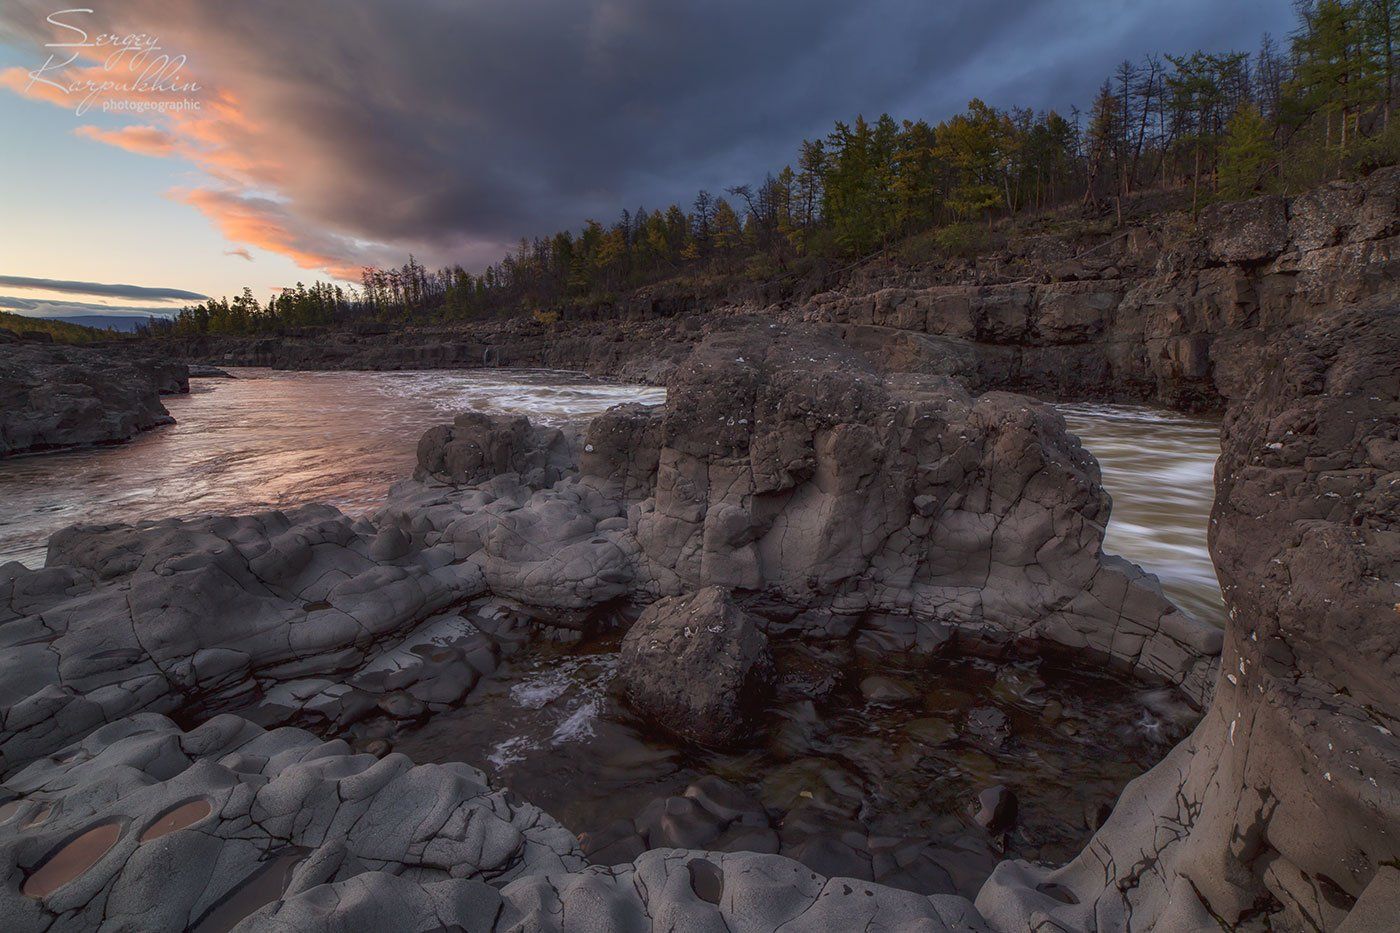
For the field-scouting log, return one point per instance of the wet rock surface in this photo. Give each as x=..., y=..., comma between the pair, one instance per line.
x=823, y=772
x=53, y=395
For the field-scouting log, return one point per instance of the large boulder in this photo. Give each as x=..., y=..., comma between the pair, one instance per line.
x=478, y=446
x=697, y=666
x=792, y=469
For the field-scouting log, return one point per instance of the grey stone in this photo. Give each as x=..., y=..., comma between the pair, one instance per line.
x=697, y=665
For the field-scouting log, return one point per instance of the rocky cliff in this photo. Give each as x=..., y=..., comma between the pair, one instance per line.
x=53, y=395
x=1283, y=802
x=1172, y=310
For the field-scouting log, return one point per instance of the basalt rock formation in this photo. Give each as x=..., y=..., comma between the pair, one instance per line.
x=60, y=396
x=1283, y=802
x=832, y=496
x=830, y=499
x=142, y=826
x=274, y=814
x=173, y=614
x=1169, y=311
x=833, y=501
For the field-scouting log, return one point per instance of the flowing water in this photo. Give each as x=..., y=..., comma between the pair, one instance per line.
x=1159, y=466
x=280, y=439
x=274, y=439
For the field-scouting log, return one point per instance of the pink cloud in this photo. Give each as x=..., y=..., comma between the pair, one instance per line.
x=267, y=224
x=143, y=140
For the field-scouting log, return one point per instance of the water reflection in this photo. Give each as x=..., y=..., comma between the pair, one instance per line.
x=275, y=439
x=1159, y=467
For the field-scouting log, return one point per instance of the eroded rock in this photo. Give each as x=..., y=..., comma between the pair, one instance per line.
x=53, y=395
x=696, y=665
x=1282, y=802
x=279, y=808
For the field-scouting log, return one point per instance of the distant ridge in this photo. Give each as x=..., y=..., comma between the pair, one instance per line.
x=125, y=323
x=63, y=330
x=122, y=323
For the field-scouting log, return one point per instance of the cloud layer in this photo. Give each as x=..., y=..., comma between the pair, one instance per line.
x=99, y=288
x=340, y=135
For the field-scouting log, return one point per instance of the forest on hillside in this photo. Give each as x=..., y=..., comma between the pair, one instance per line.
x=1209, y=126
x=59, y=331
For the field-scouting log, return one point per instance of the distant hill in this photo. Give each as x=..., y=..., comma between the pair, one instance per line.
x=62, y=330
x=125, y=323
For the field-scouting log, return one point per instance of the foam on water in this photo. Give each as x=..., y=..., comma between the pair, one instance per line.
x=543, y=690
x=579, y=725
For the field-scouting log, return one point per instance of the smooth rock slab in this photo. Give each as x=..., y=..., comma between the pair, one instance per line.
x=277, y=802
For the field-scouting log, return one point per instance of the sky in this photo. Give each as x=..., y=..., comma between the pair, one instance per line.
x=160, y=150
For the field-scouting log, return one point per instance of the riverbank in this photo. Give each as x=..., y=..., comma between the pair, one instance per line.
x=54, y=396
x=1171, y=310
x=275, y=440
x=513, y=533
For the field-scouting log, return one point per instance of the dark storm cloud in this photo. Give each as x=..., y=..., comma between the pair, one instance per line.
x=460, y=127
x=98, y=288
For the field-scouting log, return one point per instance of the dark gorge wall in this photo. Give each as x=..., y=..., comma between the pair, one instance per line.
x=1285, y=801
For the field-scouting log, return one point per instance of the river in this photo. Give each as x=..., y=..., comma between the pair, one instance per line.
x=275, y=439
x=279, y=439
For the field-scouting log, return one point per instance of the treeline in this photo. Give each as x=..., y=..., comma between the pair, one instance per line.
x=1231, y=125
x=321, y=304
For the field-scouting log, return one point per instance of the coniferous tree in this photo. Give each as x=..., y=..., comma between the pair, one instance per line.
x=1247, y=154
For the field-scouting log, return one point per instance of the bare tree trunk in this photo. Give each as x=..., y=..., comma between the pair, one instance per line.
x=1196, y=179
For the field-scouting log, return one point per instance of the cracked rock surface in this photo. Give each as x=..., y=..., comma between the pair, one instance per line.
x=279, y=813
x=176, y=614
x=828, y=498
